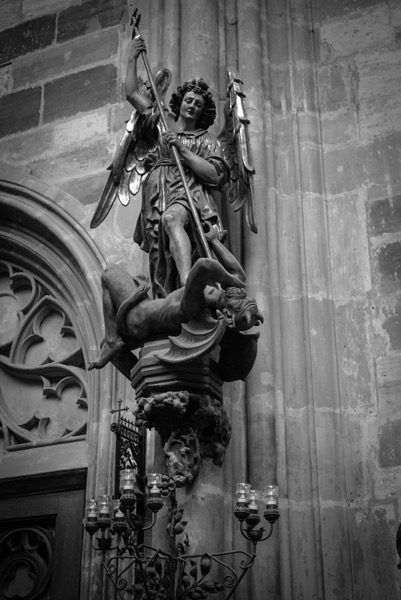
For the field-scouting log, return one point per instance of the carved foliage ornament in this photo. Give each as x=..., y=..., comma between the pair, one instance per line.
x=190, y=427
x=43, y=389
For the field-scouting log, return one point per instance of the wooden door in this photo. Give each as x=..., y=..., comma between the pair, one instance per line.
x=40, y=545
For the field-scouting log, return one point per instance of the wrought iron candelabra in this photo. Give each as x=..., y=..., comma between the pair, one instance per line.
x=138, y=570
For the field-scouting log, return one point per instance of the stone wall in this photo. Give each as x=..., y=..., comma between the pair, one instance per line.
x=320, y=414
x=358, y=57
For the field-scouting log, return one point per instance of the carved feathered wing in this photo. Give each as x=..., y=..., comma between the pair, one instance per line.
x=235, y=144
x=127, y=171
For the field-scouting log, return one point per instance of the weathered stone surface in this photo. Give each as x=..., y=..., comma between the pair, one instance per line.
x=77, y=131
x=340, y=8
x=26, y=146
x=280, y=93
x=90, y=16
x=340, y=127
x=395, y=13
x=356, y=383
x=311, y=168
x=20, y=111
x=80, y=92
x=305, y=81
x=57, y=60
x=336, y=83
x=6, y=79
x=358, y=32
x=348, y=248
x=36, y=8
x=70, y=164
x=372, y=535
x=354, y=426
x=11, y=11
x=86, y=189
x=120, y=113
x=351, y=167
x=286, y=174
x=344, y=169
x=379, y=85
x=27, y=37
x=393, y=327
x=390, y=444
x=384, y=216
x=329, y=451
x=389, y=261
x=382, y=158
x=389, y=385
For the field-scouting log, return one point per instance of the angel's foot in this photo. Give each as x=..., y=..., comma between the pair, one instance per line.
x=109, y=349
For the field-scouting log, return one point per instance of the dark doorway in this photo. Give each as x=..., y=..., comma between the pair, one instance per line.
x=41, y=540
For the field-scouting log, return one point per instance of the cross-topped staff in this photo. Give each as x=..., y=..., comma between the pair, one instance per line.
x=135, y=20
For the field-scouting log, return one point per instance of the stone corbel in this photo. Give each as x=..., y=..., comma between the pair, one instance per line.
x=183, y=403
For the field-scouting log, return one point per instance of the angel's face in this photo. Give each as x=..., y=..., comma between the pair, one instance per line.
x=192, y=107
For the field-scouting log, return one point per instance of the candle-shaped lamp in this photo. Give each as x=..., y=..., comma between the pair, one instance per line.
x=155, y=501
x=241, y=510
x=92, y=514
x=119, y=521
x=253, y=518
x=104, y=519
x=127, y=488
x=270, y=494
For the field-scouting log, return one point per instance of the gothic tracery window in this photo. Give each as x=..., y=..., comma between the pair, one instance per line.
x=43, y=388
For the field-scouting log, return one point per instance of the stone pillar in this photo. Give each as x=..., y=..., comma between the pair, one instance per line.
x=188, y=44
x=286, y=417
x=310, y=460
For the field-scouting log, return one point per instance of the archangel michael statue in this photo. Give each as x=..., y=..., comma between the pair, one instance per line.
x=198, y=296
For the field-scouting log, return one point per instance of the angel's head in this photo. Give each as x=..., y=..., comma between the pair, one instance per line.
x=201, y=89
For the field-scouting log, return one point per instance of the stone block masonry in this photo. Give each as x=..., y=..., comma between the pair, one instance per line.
x=80, y=92
x=27, y=37
x=61, y=76
x=20, y=111
x=90, y=16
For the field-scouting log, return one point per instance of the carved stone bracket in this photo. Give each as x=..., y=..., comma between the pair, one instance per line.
x=183, y=404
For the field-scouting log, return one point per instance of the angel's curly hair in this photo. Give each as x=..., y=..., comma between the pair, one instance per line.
x=198, y=86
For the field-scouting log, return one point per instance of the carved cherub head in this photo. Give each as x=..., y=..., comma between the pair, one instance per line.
x=198, y=86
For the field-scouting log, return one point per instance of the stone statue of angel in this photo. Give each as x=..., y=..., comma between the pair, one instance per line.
x=176, y=210
x=170, y=154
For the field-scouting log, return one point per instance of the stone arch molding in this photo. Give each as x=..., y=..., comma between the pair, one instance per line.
x=50, y=316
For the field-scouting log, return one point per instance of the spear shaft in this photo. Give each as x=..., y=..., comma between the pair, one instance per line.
x=191, y=204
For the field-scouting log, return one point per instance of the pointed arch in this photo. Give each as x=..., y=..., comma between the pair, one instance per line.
x=50, y=270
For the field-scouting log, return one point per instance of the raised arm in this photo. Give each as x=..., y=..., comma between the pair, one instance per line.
x=202, y=273
x=223, y=255
x=133, y=95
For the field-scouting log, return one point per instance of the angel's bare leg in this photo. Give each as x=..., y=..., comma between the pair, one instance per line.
x=174, y=220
